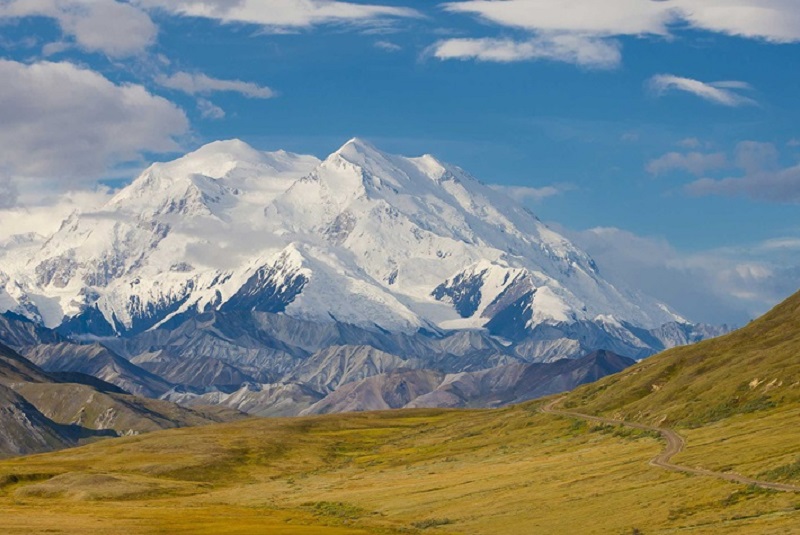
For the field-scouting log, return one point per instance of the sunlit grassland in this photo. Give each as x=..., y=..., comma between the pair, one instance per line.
x=501, y=471
x=748, y=372
x=763, y=445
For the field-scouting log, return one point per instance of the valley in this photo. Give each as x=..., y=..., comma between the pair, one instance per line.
x=523, y=468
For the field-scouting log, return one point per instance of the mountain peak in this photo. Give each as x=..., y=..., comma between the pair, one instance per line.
x=232, y=146
x=357, y=143
x=358, y=151
x=216, y=159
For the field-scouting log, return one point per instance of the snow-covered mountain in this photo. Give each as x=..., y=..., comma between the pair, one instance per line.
x=364, y=238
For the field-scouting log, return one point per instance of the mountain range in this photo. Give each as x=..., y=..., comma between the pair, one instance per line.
x=275, y=279
x=40, y=411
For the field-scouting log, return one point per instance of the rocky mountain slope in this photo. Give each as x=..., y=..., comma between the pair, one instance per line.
x=378, y=381
x=100, y=362
x=503, y=385
x=23, y=429
x=40, y=412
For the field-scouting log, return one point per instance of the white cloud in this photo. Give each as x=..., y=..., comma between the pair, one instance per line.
x=116, y=29
x=388, y=46
x=723, y=93
x=8, y=192
x=209, y=110
x=762, y=177
x=773, y=20
x=44, y=215
x=775, y=186
x=696, y=163
x=601, y=21
x=71, y=123
x=754, y=156
x=576, y=49
x=589, y=17
x=690, y=143
x=201, y=84
x=775, y=244
x=713, y=286
x=281, y=14
x=527, y=193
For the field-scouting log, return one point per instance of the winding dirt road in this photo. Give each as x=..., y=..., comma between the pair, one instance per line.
x=675, y=445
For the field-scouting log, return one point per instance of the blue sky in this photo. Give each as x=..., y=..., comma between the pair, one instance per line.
x=662, y=136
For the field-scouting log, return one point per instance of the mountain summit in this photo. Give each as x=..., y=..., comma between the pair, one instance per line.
x=363, y=238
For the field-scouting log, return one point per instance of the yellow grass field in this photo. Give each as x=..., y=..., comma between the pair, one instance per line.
x=506, y=471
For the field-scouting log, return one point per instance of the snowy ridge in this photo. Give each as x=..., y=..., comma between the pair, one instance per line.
x=364, y=238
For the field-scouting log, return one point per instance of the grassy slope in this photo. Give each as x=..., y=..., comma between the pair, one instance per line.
x=502, y=471
x=505, y=471
x=750, y=371
x=736, y=399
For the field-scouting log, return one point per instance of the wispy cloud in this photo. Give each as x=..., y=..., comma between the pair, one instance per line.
x=725, y=93
x=588, y=17
x=9, y=193
x=600, y=22
x=777, y=244
x=209, y=110
x=690, y=143
x=527, y=193
x=282, y=15
x=721, y=285
x=201, y=84
x=772, y=20
x=762, y=177
x=578, y=50
x=696, y=163
x=388, y=46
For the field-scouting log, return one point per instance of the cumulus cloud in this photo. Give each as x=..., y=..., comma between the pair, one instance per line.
x=43, y=215
x=281, y=14
x=576, y=49
x=201, y=84
x=527, y=193
x=696, y=163
x=65, y=121
x=762, y=177
x=598, y=22
x=715, y=286
x=117, y=29
x=725, y=93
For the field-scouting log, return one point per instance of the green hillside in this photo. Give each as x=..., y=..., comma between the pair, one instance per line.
x=752, y=370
